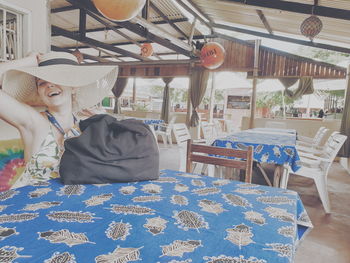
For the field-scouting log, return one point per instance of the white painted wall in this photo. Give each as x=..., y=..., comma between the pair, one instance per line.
x=37, y=29
x=36, y=35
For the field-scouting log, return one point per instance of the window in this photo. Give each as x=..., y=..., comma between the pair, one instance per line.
x=10, y=35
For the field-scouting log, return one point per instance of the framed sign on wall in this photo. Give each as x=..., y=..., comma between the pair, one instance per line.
x=238, y=102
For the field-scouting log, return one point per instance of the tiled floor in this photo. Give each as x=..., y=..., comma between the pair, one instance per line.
x=329, y=240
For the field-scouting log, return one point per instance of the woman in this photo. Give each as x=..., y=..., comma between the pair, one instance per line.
x=59, y=83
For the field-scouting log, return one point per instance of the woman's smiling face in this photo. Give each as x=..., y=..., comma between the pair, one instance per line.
x=52, y=94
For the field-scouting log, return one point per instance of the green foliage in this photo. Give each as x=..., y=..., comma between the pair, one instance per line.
x=322, y=54
x=271, y=99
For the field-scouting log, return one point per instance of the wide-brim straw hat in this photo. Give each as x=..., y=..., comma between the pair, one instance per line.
x=90, y=83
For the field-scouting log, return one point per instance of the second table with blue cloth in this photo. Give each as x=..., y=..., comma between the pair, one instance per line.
x=178, y=218
x=274, y=147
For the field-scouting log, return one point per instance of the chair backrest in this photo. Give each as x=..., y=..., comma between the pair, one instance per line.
x=207, y=130
x=181, y=133
x=333, y=145
x=319, y=136
x=216, y=156
x=276, y=125
x=218, y=125
x=229, y=126
x=153, y=132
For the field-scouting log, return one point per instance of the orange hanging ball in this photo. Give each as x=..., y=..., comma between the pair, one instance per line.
x=119, y=10
x=146, y=50
x=212, y=55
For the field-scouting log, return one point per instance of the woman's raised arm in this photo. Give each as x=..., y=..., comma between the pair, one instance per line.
x=12, y=111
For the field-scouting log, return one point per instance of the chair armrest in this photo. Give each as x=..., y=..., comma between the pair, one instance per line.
x=305, y=139
x=311, y=157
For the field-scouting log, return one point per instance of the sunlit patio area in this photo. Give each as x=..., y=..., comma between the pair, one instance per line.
x=175, y=131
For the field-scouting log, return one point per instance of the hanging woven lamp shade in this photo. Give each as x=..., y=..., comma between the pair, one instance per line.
x=311, y=27
x=119, y=10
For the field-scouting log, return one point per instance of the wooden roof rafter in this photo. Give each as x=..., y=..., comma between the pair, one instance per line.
x=295, y=7
x=90, y=9
x=282, y=38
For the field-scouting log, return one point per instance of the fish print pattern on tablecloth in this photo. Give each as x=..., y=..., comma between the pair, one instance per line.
x=70, y=190
x=211, y=206
x=98, y=199
x=255, y=217
x=181, y=188
x=152, y=189
x=179, y=247
x=170, y=220
x=155, y=225
x=236, y=200
x=9, y=253
x=118, y=230
x=7, y=232
x=206, y=191
x=122, y=255
x=64, y=257
x=65, y=236
x=144, y=199
x=132, y=209
x=8, y=194
x=41, y=205
x=189, y=220
x=240, y=235
x=127, y=190
x=179, y=200
x=227, y=259
x=12, y=218
x=39, y=192
x=71, y=216
x=275, y=200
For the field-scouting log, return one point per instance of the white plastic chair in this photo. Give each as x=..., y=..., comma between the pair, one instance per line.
x=182, y=135
x=218, y=130
x=317, y=167
x=230, y=128
x=208, y=132
x=164, y=130
x=305, y=143
x=302, y=150
x=275, y=125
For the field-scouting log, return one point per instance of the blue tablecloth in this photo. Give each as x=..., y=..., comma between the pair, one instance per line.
x=178, y=218
x=269, y=147
x=148, y=121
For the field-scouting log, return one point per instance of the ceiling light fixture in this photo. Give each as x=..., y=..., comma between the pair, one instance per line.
x=312, y=25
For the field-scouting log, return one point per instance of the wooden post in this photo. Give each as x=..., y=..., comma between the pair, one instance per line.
x=134, y=91
x=212, y=97
x=255, y=79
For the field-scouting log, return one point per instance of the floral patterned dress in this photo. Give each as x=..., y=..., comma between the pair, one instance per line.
x=44, y=164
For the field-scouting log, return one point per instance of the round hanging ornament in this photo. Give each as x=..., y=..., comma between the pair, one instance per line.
x=212, y=55
x=146, y=50
x=119, y=10
x=311, y=27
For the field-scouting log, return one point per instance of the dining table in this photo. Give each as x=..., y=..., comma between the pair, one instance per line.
x=178, y=218
x=272, y=146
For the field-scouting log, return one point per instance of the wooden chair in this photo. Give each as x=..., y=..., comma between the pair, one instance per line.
x=244, y=159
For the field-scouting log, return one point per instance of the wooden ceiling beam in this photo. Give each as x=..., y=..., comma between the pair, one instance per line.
x=281, y=38
x=99, y=29
x=264, y=21
x=159, y=12
x=188, y=9
x=90, y=9
x=297, y=8
x=141, y=42
x=86, y=56
x=90, y=41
